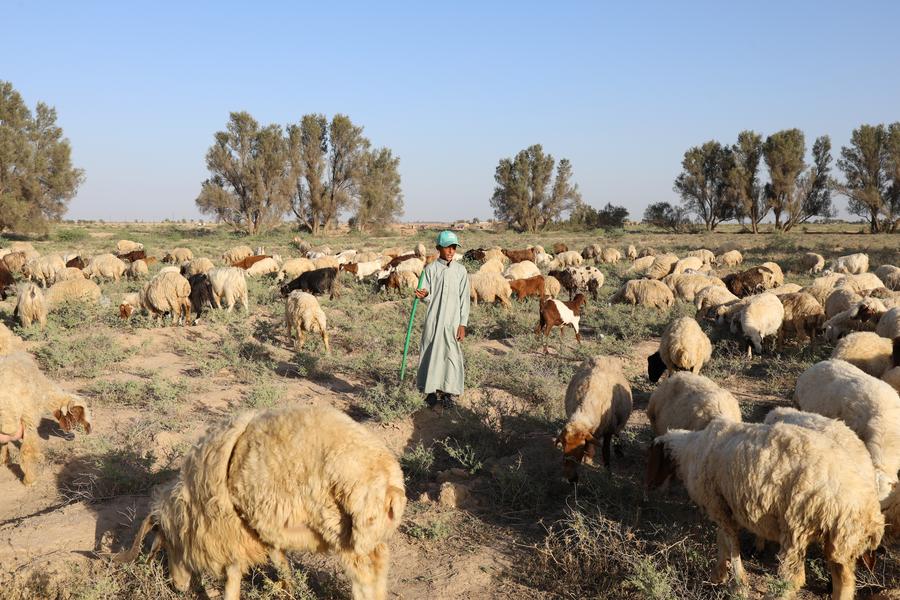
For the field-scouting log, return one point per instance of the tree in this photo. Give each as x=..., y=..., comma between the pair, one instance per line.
x=252, y=180
x=703, y=183
x=37, y=179
x=609, y=217
x=666, y=216
x=380, y=199
x=813, y=194
x=309, y=149
x=783, y=152
x=524, y=197
x=869, y=165
x=743, y=179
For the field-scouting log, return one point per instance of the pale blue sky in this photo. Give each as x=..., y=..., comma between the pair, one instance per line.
x=620, y=90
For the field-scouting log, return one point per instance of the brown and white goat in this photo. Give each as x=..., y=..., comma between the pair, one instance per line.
x=555, y=313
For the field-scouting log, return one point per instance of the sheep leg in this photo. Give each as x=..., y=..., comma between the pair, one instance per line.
x=29, y=456
x=232, y=582
x=792, y=569
x=282, y=567
x=729, y=554
x=368, y=573
x=4, y=454
x=301, y=337
x=325, y=341
x=843, y=581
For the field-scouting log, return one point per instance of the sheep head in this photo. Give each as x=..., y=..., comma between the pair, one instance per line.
x=655, y=367
x=73, y=412
x=660, y=465
x=576, y=443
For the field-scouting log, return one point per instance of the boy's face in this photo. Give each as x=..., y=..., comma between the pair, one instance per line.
x=447, y=252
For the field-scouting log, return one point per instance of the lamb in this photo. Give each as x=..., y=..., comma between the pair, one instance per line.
x=105, y=266
x=598, y=404
x=802, y=314
x=298, y=479
x=178, y=256
x=812, y=262
x=229, y=284
x=610, y=256
x=72, y=290
x=294, y=267
x=865, y=350
x=521, y=270
x=44, y=269
x=562, y=260
x=196, y=266
x=236, y=254
x=126, y=246
x=689, y=401
x=137, y=270
x=266, y=266
x=689, y=262
x=755, y=477
x=168, y=293
x=554, y=313
x=491, y=266
x=646, y=292
x=705, y=255
x=662, y=265
x=851, y=263
x=761, y=318
x=889, y=274
x=732, y=258
x=25, y=396
x=889, y=324
x=30, y=305
x=631, y=252
x=682, y=347
x=303, y=314
x=870, y=407
x=839, y=300
x=489, y=287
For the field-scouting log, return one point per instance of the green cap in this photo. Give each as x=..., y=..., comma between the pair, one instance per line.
x=447, y=238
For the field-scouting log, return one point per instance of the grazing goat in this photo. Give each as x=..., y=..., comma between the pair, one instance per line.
x=317, y=282
x=515, y=256
x=76, y=262
x=249, y=261
x=555, y=313
x=131, y=256
x=523, y=288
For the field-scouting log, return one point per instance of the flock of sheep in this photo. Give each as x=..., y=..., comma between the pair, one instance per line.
x=826, y=473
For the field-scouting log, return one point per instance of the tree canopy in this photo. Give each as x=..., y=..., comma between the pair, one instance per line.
x=37, y=178
x=703, y=183
x=871, y=168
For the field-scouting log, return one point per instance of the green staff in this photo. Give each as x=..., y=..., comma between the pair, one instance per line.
x=409, y=328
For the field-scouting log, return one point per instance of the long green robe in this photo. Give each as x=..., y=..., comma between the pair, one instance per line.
x=440, y=354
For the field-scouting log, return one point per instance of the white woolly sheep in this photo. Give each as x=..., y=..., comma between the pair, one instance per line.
x=889, y=324
x=9, y=342
x=776, y=270
x=646, y=292
x=732, y=258
x=126, y=246
x=264, y=267
x=229, y=284
x=686, y=285
x=30, y=305
x=662, y=266
x=569, y=258
x=25, y=396
x=300, y=479
x=631, y=252
x=521, y=270
x=727, y=469
x=705, y=255
x=105, y=266
x=491, y=266
x=865, y=350
x=236, y=254
x=168, y=293
x=137, y=270
x=489, y=287
x=552, y=287
x=610, y=256
x=44, y=269
x=851, y=263
x=861, y=284
x=839, y=300
x=812, y=262
x=868, y=406
x=72, y=290
x=890, y=275
x=802, y=315
x=688, y=262
x=303, y=314
x=598, y=404
x=196, y=267
x=712, y=297
x=689, y=401
x=682, y=347
x=69, y=273
x=761, y=317
x=294, y=267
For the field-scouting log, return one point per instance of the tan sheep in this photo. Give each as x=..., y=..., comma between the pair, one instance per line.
x=14, y=261
x=705, y=255
x=839, y=300
x=689, y=401
x=196, y=267
x=761, y=317
x=662, y=266
x=802, y=315
x=686, y=285
x=294, y=267
x=9, y=342
x=137, y=269
x=889, y=324
x=682, y=347
x=732, y=258
x=598, y=404
x=569, y=258
x=522, y=270
x=30, y=305
x=168, y=293
x=303, y=314
x=489, y=287
x=610, y=256
x=105, y=266
x=822, y=286
x=729, y=471
x=776, y=270
x=646, y=292
x=236, y=254
x=851, y=263
x=865, y=350
x=552, y=287
x=72, y=290
x=300, y=479
x=491, y=266
x=25, y=396
x=640, y=266
x=44, y=269
x=861, y=283
x=712, y=297
x=178, y=256
x=812, y=262
x=330, y=262
x=890, y=275
x=266, y=266
x=229, y=284
x=688, y=262
x=631, y=252
x=126, y=246
x=69, y=273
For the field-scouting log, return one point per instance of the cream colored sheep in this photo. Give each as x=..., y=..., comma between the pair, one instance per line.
x=126, y=246
x=196, y=267
x=178, y=256
x=72, y=290
x=822, y=286
x=689, y=401
x=569, y=258
x=682, y=347
x=521, y=270
x=413, y=265
x=705, y=255
x=889, y=324
x=236, y=254
x=30, y=305
x=327, y=262
x=303, y=314
x=842, y=323
x=168, y=293
x=229, y=284
x=686, y=285
x=712, y=297
x=851, y=263
x=69, y=273
x=812, y=262
x=598, y=404
x=868, y=406
x=688, y=262
x=758, y=477
x=25, y=396
x=610, y=256
x=105, y=266
x=662, y=266
x=646, y=292
x=640, y=266
x=137, y=270
x=865, y=350
x=552, y=287
x=760, y=318
x=543, y=260
x=408, y=279
x=294, y=267
x=787, y=288
x=776, y=270
x=491, y=266
x=861, y=284
x=631, y=252
x=890, y=275
x=647, y=251
x=300, y=479
x=44, y=269
x=497, y=253
x=9, y=342
x=732, y=258
x=266, y=266
x=802, y=315
x=489, y=287
x=839, y=300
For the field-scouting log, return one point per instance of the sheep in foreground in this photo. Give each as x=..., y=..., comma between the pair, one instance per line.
x=72, y=290
x=802, y=315
x=25, y=396
x=598, y=404
x=689, y=401
x=682, y=347
x=168, y=293
x=489, y=287
x=300, y=479
x=732, y=258
x=303, y=314
x=812, y=262
x=30, y=305
x=868, y=406
x=229, y=284
x=756, y=477
x=866, y=351
x=851, y=263
x=105, y=266
x=646, y=292
x=9, y=342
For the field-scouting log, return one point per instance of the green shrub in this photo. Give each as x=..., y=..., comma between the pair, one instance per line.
x=388, y=402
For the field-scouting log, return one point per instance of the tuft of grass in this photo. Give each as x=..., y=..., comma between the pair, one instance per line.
x=464, y=454
x=159, y=394
x=71, y=234
x=88, y=355
x=651, y=581
x=264, y=395
x=417, y=463
x=430, y=530
x=389, y=402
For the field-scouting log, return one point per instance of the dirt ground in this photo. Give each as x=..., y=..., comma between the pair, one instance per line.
x=488, y=507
